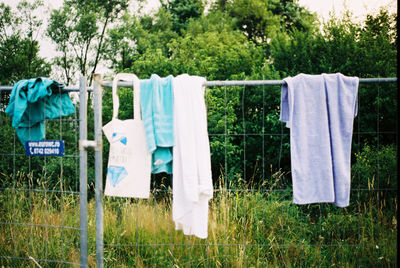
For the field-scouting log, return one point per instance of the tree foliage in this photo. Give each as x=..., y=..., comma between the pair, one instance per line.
x=182, y=11
x=19, y=48
x=363, y=50
x=222, y=40
x=78, y=29
x=242, y=39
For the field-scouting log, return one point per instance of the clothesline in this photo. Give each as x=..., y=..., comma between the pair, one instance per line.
x=221, y=83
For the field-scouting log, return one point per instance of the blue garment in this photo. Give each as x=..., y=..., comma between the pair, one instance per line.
x=31, y=102
x=320, y=110
x=156, y=102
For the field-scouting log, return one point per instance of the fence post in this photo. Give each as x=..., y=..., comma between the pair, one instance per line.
x=83, y=170
x=97, y=88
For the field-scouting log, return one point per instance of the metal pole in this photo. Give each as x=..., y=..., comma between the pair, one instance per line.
x=281, y=82
x=222, y=83
x=257, y=82
x=243, y=83
x=378, y=80
x=83, y=171
x=97, y=105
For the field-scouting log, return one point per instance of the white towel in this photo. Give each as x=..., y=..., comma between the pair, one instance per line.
x=192, y=179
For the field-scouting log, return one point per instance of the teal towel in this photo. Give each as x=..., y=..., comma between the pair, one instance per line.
x=31, y=102
x=156, y=102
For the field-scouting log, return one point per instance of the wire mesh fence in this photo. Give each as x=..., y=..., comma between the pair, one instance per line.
x=39, y=197
x=252, y=221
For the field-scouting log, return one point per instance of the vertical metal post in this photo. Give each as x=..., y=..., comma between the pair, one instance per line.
x=83, y=171
x=97, y=105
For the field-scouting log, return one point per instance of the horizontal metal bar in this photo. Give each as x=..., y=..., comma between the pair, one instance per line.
x=263, y=190
x=239, y=244
x=55, y=120
x=286, y=134
x=243, y=83
x=40, y=225
x=66, y=89
x=248, y=134
x=39, y=260
x=281, y=82
x=38, y=190
x=89, y=89
x=379, y=80
x=16, y=154
x=120, y=84
x=221, y=83
x=256, y=82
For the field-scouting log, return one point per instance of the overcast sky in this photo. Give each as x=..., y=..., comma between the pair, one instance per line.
x=322, y=7
x=358, y=7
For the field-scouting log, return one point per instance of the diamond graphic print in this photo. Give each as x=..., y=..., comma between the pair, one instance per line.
x=119, y=137
x=124, y=140
x=116, y=174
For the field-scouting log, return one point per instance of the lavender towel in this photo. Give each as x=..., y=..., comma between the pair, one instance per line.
x=320, y=110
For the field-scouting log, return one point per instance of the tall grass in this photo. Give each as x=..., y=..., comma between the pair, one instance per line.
x=247, y=228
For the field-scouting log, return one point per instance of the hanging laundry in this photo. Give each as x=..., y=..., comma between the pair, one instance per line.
x=129, y=166
x=32, y=101
x=320, y=110
x=157, y=114
x=192, y=180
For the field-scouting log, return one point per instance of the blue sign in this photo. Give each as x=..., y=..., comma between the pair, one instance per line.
x=45, y=148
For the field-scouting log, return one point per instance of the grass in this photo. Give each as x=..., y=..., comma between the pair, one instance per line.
x=246, y=229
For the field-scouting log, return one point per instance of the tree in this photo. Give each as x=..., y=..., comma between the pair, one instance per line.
x=182, y=11
x=342, y=46
x=292, y=16
x=254, y=18
x=260, y=20
x=19, y=48
x=217, y=46
x=354, y=49
x=78, y=29
x=138, y=35
x=210, y=46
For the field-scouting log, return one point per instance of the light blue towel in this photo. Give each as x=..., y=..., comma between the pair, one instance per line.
x=31, y=102
x=320, y=110
x=156, y=102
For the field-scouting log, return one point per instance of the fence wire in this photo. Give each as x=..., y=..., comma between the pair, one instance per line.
x=252, y=221
x=39, y=197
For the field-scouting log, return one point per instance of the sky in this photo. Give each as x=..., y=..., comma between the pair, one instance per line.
x=359, y=8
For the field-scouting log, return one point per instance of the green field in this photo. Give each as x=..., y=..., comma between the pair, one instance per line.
x=253, y=228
